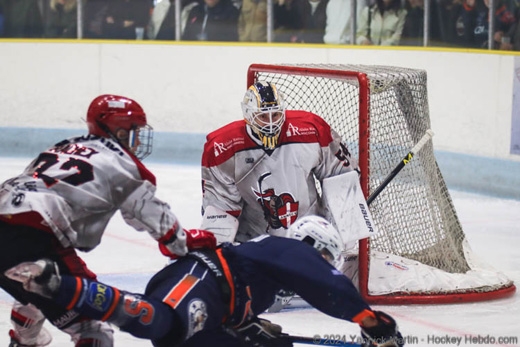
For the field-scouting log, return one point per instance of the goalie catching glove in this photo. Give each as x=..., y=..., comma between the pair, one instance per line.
x=179, y=243
x=384, y=334
x=260, y=332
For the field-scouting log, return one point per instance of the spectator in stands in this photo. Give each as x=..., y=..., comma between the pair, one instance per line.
x=94, y=17
x=122, y=17
x=511, y=39
x=162, y=23
x=214, y=20
x=1, y=19
x=413, y=31
x=337, y=29
x=22, y=18
x=300, y=21
x=472, y=24
x=252, y=22
x=381, y=24
x=62, y=19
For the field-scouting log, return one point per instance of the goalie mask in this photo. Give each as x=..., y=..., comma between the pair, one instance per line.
x=123, y=120
x=320, y=234
x=264, y=111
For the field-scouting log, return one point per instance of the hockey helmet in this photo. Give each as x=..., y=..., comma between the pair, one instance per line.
x=123, y=120
x=320, y=234
x=264, y=110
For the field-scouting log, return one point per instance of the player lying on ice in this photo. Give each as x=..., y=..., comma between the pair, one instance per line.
x=212, y=296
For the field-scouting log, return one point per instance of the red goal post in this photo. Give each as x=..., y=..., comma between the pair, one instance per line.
x=421, y=255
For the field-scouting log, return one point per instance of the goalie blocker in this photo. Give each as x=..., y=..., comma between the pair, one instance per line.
x=346, y=203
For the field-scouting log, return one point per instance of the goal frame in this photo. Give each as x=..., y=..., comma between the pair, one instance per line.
x=399, y=298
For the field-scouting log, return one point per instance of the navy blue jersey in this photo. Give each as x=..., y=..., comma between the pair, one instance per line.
x=268, y=264
x=186, y=302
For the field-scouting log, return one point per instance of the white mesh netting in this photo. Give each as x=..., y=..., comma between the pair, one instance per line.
x=421, y=247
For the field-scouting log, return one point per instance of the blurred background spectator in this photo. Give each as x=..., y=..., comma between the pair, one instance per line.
x=301, y=21
x=1, y=19
x=62, y=19
x=122, y=17
x=162, y=22
x=214, y=20
x=452, y=23
x=511, y=39
x=470, y=23
x=413, y=30
x=22, y=18
x=252, y=22
x=337, y=29
x=93, y=18
x=382, y=23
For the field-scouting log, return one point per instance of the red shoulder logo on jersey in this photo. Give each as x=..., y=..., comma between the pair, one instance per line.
x=293, y=130
x=221, y=147
x=281, y=210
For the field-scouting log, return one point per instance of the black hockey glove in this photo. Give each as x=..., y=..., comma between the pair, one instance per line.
x=262, y=333
x=384, y=334
x=41, y=277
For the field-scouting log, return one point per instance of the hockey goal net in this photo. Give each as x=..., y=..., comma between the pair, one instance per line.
x=420, y=254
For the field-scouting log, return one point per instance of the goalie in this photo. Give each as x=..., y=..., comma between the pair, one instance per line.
x=210, y=296
x=260, y=174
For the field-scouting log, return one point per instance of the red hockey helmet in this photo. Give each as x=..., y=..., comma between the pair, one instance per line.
x=121, y=119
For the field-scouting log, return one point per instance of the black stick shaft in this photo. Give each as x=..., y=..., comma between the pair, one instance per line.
x=426, y=137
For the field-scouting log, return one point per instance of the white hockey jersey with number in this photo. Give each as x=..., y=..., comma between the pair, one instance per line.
x=268, y=190
x=79, y=184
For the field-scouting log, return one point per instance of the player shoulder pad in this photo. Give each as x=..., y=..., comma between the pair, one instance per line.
x=304, y=126
x=224, y=142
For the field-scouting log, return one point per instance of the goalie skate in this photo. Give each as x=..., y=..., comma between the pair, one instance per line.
x=40, y=277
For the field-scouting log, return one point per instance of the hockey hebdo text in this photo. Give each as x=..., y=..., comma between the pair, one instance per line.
x=428, y=340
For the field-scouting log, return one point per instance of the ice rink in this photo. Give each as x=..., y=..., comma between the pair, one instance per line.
x=127, y=258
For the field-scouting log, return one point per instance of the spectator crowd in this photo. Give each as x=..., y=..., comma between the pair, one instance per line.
x=452, y=23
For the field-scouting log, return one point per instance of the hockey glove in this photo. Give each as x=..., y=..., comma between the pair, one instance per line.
x=195, y=239
x=384, y=334
x=200, y=239
x=173, y=243
x=41, y=277
x=262, y=333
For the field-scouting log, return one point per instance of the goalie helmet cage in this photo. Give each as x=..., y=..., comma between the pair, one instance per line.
x=420, y=255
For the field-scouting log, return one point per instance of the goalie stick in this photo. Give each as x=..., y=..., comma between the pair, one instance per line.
x=426, y=137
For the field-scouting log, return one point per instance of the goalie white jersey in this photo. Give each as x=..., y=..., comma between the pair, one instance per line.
x=267, y=190
x=76, y=186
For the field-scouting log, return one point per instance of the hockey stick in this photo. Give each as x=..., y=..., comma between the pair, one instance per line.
x=426, y=137
x=319, y=341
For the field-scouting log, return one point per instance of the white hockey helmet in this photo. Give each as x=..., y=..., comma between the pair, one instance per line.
x=320, y=234
x=264, y=110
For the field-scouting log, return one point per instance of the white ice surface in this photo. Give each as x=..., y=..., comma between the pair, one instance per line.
x=127, y=259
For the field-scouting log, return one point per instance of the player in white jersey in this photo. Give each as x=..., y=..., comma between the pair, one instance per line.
x=64, y=200
x=262, y=169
